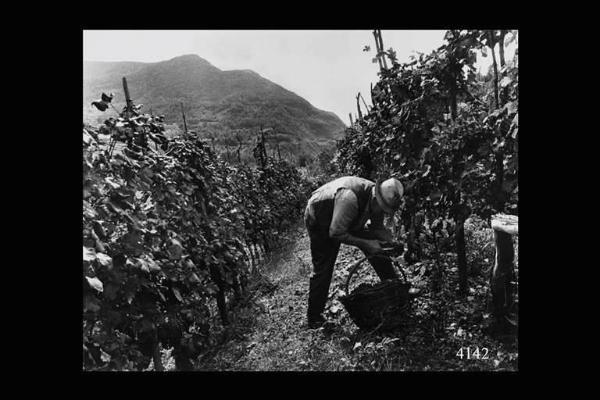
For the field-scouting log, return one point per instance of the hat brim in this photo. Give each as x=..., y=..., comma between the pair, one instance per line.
x=387, y=209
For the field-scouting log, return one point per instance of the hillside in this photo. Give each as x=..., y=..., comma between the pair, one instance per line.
x=215, y=101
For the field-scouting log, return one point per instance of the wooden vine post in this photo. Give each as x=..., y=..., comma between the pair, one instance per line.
x=240, y=141
x=379, y=47
x=183, y=115
x=364, y=102
x=127, y=113
x=503, y=272
x=127, y=98
x=360, y=116
x=491, y=44
x=381, y=59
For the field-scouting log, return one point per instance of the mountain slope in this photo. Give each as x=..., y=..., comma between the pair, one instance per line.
x=214, y=100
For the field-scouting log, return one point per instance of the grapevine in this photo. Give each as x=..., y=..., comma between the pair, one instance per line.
x=169, y=229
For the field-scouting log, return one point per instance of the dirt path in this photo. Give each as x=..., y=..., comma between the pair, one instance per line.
x=278, y=338
x=269, y=333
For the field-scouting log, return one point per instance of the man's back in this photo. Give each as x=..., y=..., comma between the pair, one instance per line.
x=354, y=183
x=320, y=210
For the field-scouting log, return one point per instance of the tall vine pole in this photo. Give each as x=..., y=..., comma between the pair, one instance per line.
x=381, y=56
x=183, y=115
x=503, y=272
x=495, y=65
x=129, y=102
x=360, y=116
x=381, y=49
x=499, y=154
x=364, y=102
x=378, y=50
x=501, y=36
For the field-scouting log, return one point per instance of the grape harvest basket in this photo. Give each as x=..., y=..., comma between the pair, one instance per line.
x=381, y=306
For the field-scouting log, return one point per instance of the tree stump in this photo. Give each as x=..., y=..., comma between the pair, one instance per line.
x=503, y=273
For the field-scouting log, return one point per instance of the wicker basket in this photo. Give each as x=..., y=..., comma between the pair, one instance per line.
x=381, y=306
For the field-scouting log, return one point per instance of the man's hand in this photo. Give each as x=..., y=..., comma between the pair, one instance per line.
x=393, y=248
x=372, y=246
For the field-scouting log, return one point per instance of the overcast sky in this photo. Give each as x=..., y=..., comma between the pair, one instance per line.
x=327, y=67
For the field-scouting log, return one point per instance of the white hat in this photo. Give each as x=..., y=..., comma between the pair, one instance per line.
x=389, y=194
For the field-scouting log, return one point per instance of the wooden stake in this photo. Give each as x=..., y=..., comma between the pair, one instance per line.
x=358, y=107
x=183, y=114
x=127, y=97
x=492, y=44
x=364, y=102
x=505, y=226
x=156, y=357
x=381, y=48
x=377, y=48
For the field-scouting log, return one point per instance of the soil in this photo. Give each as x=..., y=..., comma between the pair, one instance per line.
x=269, y=331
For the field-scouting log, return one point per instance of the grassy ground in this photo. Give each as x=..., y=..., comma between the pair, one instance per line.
x=269, y=333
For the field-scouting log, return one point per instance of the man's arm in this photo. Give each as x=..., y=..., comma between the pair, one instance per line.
x=345, y=211
x=378, y=230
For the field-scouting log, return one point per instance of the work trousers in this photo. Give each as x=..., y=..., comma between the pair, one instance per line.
x=324, y=251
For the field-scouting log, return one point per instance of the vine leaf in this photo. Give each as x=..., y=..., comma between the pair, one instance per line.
x=100, y=105
x=175, y=249
x=104, y=260
x=514, y=126
x=177, y=294
x=507, y=80
x=194, y=278
x=152, y=265
x=89, y=254
x=95, y=283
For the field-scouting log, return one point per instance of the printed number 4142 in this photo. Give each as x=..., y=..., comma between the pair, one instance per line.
x=469, y=354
